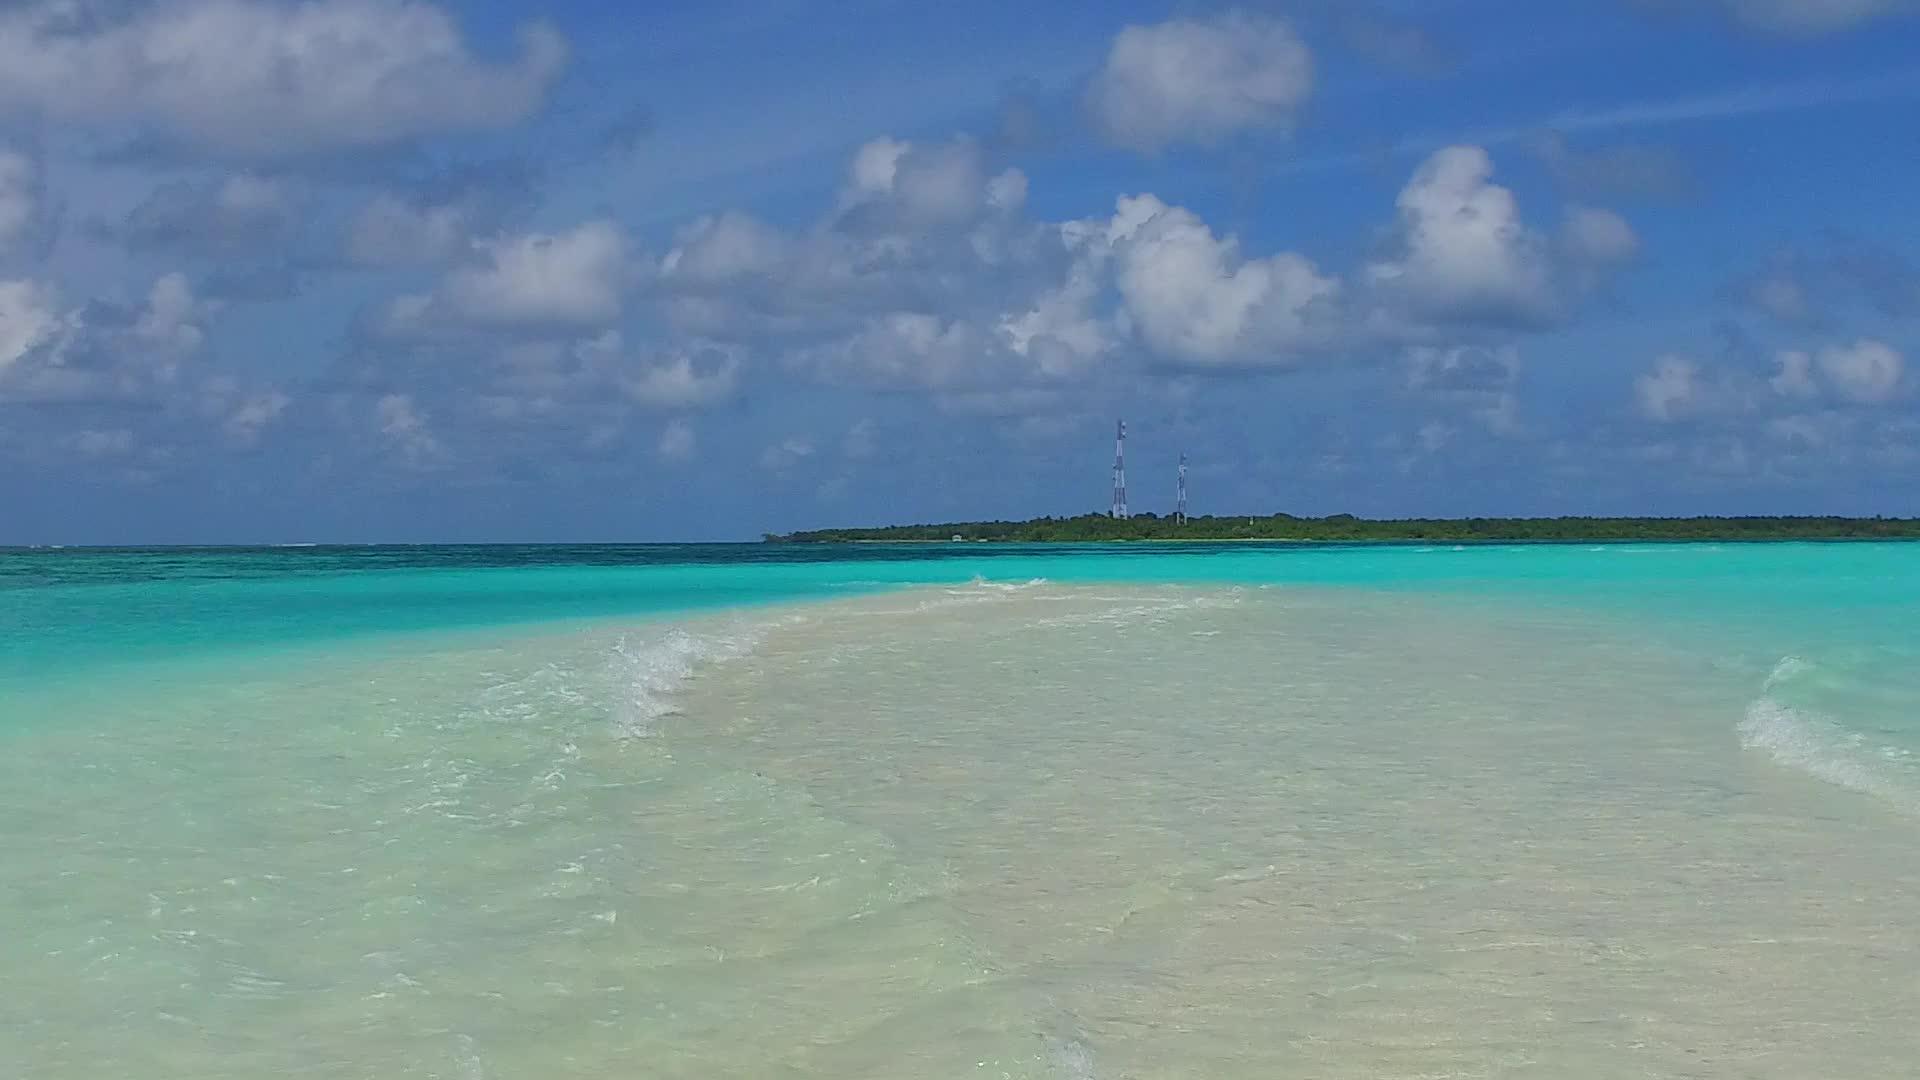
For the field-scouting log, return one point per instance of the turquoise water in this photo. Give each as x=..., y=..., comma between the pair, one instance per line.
x=84, y=607
x=960, y=810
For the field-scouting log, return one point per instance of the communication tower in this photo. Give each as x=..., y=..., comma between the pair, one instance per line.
x=1180, y=495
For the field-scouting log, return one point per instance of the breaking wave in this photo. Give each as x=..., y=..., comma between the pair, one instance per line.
x=1803, y=738
x=650, y=671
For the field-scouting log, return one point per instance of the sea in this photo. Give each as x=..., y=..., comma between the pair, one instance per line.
x=960, y=810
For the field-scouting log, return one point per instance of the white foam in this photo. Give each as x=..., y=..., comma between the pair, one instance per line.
x=1787, y=668
x=980, y=582
x=654, y=669
x=1827, y=750
x=1072, y=1057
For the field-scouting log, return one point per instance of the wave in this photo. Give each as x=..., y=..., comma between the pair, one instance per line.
x=652, y=671
x=1821, y=746
x=1787, y=668
x=979, y=582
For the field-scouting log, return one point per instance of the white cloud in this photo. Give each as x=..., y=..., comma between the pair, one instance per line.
x=100, y=352
x=1794, y=377
x=1865, y=372
x=725, y=247
x=171, y=318
x=1598, y=237
x=268, y=77
x=1199, y=81
x=1008, y=190
x=873, y=167
x=28, y=319
x=254, y=414
x=785, y=455
x=1466, y=255
x=921, y=185
x=107, y=360
x=391, y=232
x=406, y=432
x=19, y=199
x=957, y=292
x=573, y=279
x=677, y=441
x=689, y=376
x=1194, y=297
x=1062, y=333
x=1681, y=388
x=909, y=348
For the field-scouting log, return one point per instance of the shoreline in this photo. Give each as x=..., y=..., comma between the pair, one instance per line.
x=1675, y=541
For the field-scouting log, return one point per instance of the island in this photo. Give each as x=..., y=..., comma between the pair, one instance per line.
x=1346, y=528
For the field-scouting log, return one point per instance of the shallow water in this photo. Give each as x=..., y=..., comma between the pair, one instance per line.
x=1330, y=813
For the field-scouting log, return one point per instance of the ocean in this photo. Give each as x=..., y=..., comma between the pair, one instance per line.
x=962, y=810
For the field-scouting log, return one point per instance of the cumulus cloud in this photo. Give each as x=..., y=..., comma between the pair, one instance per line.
x=1464, y=254
x=1199, y=81
x=1193, y=296
x=921, y=185
x=171, y=319
x=956, y=290
x=28, y=319
x=1864, y=372
x=906, y=348
x=687, y=376
x=919, y=233
x=1793, y=376
x=104, y=360
x=435, y=219
x=574, y=279
x=725, y=247
x=1681, y=388
x=1063, y=333
x=1861, y=373
x=268, y=77
x=244, y=419
x=405, y=430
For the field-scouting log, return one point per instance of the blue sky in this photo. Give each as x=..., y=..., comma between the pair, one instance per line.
x=366, y=270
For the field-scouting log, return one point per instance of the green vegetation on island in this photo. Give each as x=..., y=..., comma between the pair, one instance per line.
x=1340, y=528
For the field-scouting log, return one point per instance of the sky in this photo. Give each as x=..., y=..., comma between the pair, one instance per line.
x=397, y=270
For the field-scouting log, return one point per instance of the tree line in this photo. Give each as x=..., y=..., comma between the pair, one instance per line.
x=1094, y=528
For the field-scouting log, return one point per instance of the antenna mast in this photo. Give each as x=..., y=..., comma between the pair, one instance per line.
x=1180, y=495
x=1119, y=511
